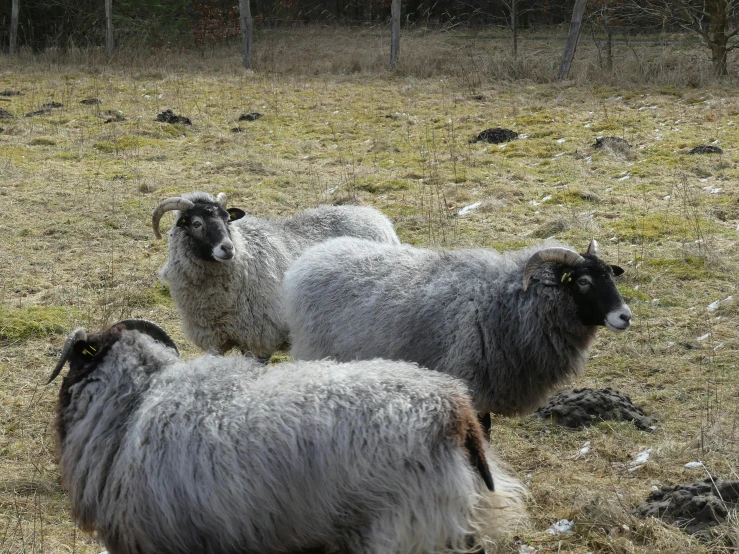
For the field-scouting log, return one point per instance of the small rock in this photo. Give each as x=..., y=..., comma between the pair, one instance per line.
x=252, y=116
x=168, y=116
x=496, y=135
x=706, y=149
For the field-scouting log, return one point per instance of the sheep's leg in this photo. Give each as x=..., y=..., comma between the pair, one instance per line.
x=486, y=421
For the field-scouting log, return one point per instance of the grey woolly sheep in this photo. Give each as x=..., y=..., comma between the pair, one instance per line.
x=225, y=268
x=228, y=456
x=512, y=326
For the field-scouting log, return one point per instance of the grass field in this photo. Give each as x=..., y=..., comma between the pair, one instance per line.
x=76, y=195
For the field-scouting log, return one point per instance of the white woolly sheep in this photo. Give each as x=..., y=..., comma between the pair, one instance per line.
x=225, y=268
x=512, y=326
x=228, y=456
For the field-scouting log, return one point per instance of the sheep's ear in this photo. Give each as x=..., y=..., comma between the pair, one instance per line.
x=235, y=213
x=183, y=221
x=84, y=349
x=617, y=270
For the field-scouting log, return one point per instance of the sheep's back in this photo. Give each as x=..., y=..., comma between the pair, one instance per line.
x=351, y=299
x=291, y=452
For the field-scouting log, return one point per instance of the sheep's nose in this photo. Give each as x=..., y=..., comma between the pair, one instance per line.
x=626, y=317
x=228, y=248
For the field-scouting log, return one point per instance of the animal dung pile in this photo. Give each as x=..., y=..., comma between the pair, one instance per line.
x=695, y=507
x=4, y=114
x=91, y=101
x=10, y=93
x=583, y=407
x=112, y=116
x=496, y=135
x=34, y=113
x=252, y=116
x=52, y=105
x=168, y=116
x=706, y=149
x=600, y=142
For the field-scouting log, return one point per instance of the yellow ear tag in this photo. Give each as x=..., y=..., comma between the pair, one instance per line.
x=87, y=352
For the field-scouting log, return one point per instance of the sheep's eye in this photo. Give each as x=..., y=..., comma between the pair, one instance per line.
x=197, y=225
x=583, y=281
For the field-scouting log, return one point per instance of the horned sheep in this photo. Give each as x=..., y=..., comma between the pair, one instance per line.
x=226, y=455
x=225, y=268
x=512, y=326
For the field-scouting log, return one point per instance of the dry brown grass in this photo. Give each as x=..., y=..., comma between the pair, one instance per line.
x=77, y=194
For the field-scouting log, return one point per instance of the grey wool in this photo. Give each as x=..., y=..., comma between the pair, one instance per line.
x=465, y=312
x=236, y=303
x=227, y=456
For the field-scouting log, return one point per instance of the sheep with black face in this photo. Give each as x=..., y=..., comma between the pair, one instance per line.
x=225, y=268
x=512, y=326
x=227, y=456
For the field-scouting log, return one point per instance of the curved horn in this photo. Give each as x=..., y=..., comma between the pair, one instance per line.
x=176, y=203
x=149, y=328
x=74, y=336
x=222, y=199
x=558, y=255
x=593, y=248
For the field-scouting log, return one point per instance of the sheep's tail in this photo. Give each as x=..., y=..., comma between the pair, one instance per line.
x=501, y=506
x=473, y=444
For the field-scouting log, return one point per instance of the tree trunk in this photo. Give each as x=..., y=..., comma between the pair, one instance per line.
x=609, y=48
x=574, y=34
x=14, y=26
x=514, y=29
x=718, y=21
x=394, y=32
x=109, y=43
x=246, y=26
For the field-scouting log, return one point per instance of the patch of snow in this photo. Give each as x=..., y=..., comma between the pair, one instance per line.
x=640, y=459
x=584, y=450
x=693, y=465
x=560, y=141
x=713, y=306
x=666, y=197
x=526, y=549
x=588, y=125
x=468, y=209
x=624, y=177
x=522, y=136
x=703, y=337
x=561, y=527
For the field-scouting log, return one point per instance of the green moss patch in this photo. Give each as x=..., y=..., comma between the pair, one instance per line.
x=34, y=322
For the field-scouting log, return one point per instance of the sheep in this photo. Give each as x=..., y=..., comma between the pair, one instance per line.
x=225, y=268
x=226, y=455
x=512, y=326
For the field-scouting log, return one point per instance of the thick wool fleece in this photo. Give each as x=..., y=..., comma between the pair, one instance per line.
x=461, y=312
x=223, y=455
x=237, y=304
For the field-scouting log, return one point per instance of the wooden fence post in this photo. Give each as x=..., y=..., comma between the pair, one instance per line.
x=394, y=32
x=572, y=37
x=247, y=31
x=514, y=29
x=13, y=26
x=109, y=44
